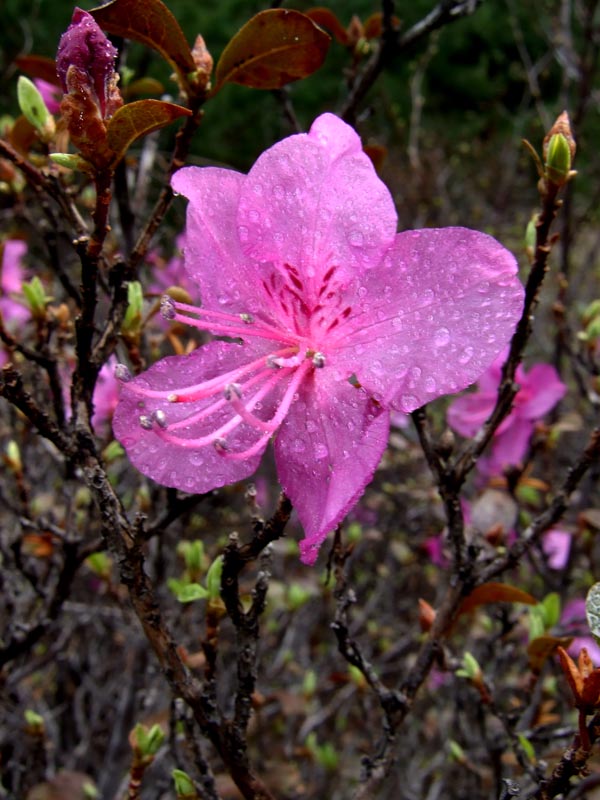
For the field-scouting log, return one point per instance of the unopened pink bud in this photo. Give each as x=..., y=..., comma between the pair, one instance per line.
x=85, y=46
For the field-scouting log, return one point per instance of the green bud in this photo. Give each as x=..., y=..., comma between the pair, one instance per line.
x=213, y=578
x=470, y=668
x=34, y=720
x=297, y=596
x=551, y=609
x=184, y=786
x=354, y=532
x=456, y=751
x=132, y=323
x=527, y=747
x=100, y=564
x=70, y=161
x=34, y=109
x=593, y=329
x=147, y=741
x=531, y=237
x=193, y=555
x=35, y=294
x=187, y=592
x=558, y=159
x=309, y=684
x=89, y=791
x=112, y=452
x=13, y=457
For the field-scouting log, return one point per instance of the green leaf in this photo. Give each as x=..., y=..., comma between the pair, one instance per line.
x=275, y=47
x=189, y=592
x=151, y=23
x=138, y=119
x=213, y=578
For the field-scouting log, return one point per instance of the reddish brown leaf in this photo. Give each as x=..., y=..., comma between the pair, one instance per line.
x=571, y=672
x=495, y=593
x=328, y=20
x=540, y=648
x=137, y=119
x=275, y=47
x=149, y=22
x=38, y=67
x=22, y=135
x=377, y=153
x=374, y=25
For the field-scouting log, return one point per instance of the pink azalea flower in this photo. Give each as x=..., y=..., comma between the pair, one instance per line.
x=51, y=95
x=573, y=618
x=106, y=394
x=556, y=544
x=331, y=319
x=540, y=390
x=12, y=275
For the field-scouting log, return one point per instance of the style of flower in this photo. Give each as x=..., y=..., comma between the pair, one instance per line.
x=331, y=319
x=540, y=390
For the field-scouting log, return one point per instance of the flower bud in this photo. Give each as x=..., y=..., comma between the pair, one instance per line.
x=559, y=151
x=184, y=786
x=34, y=109
x=85, y=46
x=35, y=294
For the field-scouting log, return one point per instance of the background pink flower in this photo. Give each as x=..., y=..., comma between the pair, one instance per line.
x=12, y=275
x=332, y=318
x=540, y=390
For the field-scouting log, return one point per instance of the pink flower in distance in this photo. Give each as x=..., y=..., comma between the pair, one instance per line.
x=51, y=94
x=12, y=275
x=540, y=390
x=556, y=545
x=335, y=318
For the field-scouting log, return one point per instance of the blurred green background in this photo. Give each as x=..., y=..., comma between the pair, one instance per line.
x=451, y=111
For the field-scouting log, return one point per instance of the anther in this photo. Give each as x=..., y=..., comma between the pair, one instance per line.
x=247, y=318
x=146, y=422
x=220, y=446
x=167, y=307
x=159, y=417
x=272, y=363
x=232, y=390
x=172, y=398
x=122, y=373
x=318, y=360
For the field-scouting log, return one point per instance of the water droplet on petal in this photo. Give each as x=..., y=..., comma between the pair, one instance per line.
x=243, y=233
x=441, y=337
x=466, y=355
x=298, y=446
x=428, y=295
x=356, y=238
x=430, y=385
x=320, y=452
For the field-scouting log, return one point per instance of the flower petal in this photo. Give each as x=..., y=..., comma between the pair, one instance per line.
x=314, y=201
x=508, y=447
x=192, y=469
x=326, y=452
x=432, y=316
x=212, y=255
x=468, y=413
x=543, y=390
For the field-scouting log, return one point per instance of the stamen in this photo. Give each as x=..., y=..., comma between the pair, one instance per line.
x=232, y=390
x=221, y=446
x=122, y=373
x=229, y=324
x=167, y=307
x=318, y=360
x=206, y=388
x=159, y=417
